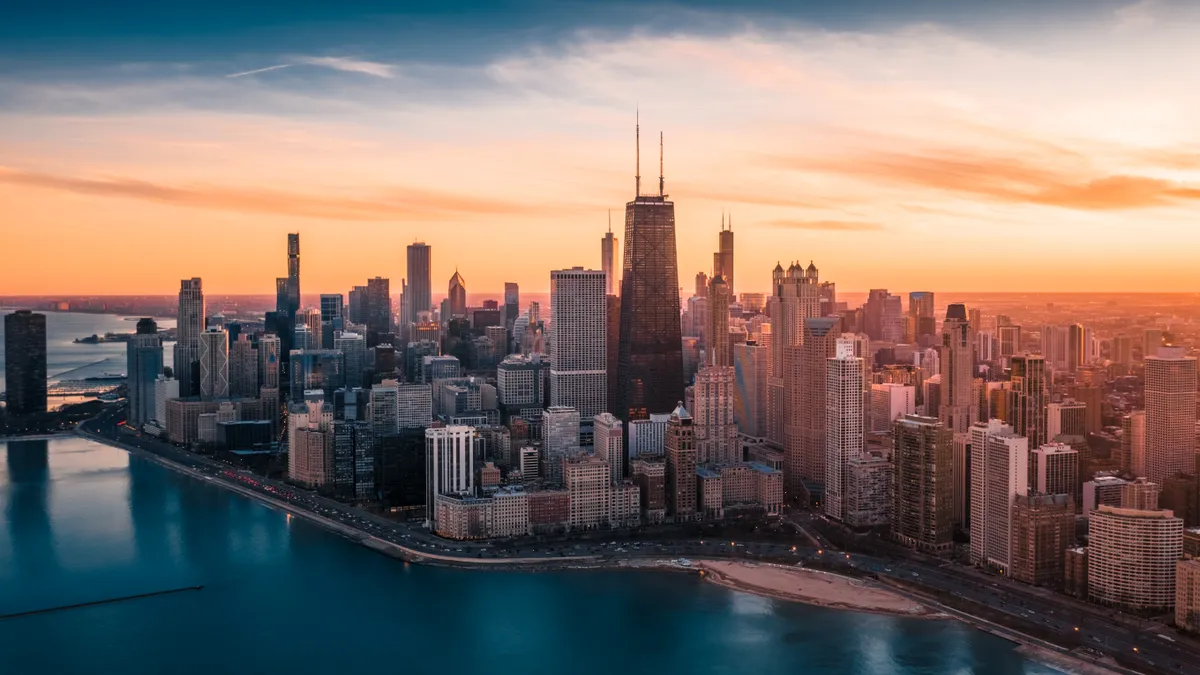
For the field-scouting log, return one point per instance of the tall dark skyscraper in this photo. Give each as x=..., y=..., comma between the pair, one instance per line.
x=378, y=309
x=650, y=349
x=512, y=304
x=287, y=301
x=418, y=294
x=294, y=270
x=143, y=365
x=189, y=325
x=723, y=258
x=25, y=362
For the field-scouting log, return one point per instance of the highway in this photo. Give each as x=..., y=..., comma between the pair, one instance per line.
x=1150, y=646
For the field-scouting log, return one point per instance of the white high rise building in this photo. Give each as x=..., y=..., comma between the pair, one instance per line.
x=449, y=465
x=609, y=443
x=579, y=341
x=843, y=422
x=999, y=472
x=647, y=438
x=1170, y=395
x=1131, y=558
x=214, y=364
x=889, y=402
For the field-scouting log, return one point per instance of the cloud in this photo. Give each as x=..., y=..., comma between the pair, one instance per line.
x=826, y=225
x=350, y=65
x=386, y=205
x=1002, y=179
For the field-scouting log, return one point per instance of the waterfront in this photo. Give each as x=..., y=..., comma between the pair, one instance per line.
x=68, y=360
x=85, y=522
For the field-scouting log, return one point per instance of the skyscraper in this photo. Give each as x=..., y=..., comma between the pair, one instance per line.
x=804, y=407
x=999, y=472
x=680, y=444
x=512, y=308
x=560, y=435
x=843, y=423
x=750, y=362
x=243, y=368
x=378, y=309
x=189, y=326
x=293, y=244
x=456, y=297
x=609, y=442
x=25, y=362
x=650, y=350
x=608, y=259
x=922, y=492
x=1170, y=393
x=920, y=314
x=957, y=370
x=214, y=364
x=712, y=416
x=418, y=294
x=723, y=258
x=795, y=296
x=579, y=341
x=1028, y=397
x=268, y=361
x=718, y=345
x=450, y=457
x=143, y=365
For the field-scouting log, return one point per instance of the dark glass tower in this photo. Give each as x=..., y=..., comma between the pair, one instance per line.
x=25, y=362
x=420, y=285
x=650, y=349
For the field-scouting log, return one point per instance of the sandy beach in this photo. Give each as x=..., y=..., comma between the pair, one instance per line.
x=810, y=586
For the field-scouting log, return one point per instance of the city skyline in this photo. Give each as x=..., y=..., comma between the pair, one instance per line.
x=837, y=136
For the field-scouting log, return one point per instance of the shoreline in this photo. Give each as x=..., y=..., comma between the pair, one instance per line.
x=709, y=569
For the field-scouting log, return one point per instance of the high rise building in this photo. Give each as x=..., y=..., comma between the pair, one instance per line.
x=712, y=416
x=889, y=402
x=268, y=361
x=143, y=365
x=955, y=410
x=356, y=305
x=750, y=363
x=243, y=368
x=999, y=472
x=609, y=442
x=560, y=435
x=450, y=458
x=608, y=259
x=579, y=341
x=795, y=296
x=1131, y=558
x=804, y=407
x=843, y=424
x=1043, y=528
x=718, y=345
x=385, y=407
x=723, y=258
x=456, y=296
x=189, y=326
x=868, y=501
x=1133, y=443
x=650, y=352
x=1055, y=471
x=922, y=499
x=921, y=316
x=310, y=319
x=681, y=466
x=1187, y=594
x=214, y=364
x=25, y=362
x=1066, y=418
x=414, y=405
x=331, y=308
x=1140, y=494
x=1028, y=398
x=1008, y=339
x=354, y=347
x=418, y=293
x=512, y=309
x=293, y=277
x=883, y=316
x=1077, y=346
x=378, y=310
x=701, y=285
x=1170, y=396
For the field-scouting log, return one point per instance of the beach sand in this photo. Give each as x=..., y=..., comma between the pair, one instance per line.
x=810, y=586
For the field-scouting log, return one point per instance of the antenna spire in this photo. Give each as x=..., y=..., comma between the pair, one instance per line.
x=637, y=176
x=722, y=220
x=610, y=221
x=660, y=165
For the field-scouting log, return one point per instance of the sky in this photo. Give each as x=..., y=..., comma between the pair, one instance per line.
x=939, y=145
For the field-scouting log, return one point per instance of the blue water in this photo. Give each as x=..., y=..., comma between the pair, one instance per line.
x=84, y=522
x=66, y=360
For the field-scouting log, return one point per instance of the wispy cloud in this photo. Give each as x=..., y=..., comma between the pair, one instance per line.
x=260, y=70
x=827, y=225
x=384, y=205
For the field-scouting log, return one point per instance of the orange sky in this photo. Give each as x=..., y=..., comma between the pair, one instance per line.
x=910, y=159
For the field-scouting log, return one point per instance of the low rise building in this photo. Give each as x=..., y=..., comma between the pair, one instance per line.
x=709, y=495
x=868, y=490
x=1187, y=594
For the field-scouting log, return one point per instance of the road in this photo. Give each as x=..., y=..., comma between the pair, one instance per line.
x=1151, y=645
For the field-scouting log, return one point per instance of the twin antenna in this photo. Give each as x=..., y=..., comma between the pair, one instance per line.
x=638, y=174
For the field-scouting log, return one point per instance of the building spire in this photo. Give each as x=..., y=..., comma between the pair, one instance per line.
x=660, y=165
x=610, y=221
x=637, y=174
x=722, y=220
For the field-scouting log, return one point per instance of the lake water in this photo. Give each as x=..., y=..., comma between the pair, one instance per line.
x=84, y=522
x=67, y=360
